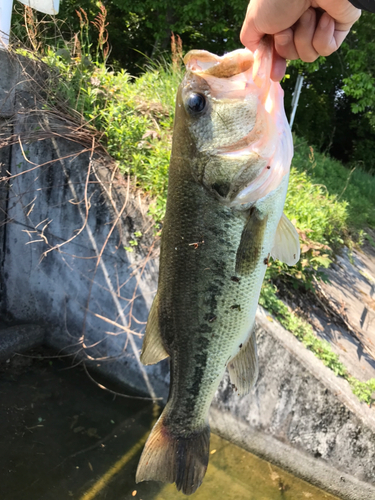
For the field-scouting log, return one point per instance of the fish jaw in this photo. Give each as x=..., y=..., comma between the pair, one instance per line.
x=279, y=156
x=244, y=121
x=231, y=64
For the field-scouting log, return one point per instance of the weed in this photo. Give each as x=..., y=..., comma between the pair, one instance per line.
x=369, y=238
x=365, y=391
x=356, y=187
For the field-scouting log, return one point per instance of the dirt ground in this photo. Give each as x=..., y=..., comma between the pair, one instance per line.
x=342, y=312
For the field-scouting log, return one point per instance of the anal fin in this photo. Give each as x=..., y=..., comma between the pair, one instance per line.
x=243, y=368
x=153, y=349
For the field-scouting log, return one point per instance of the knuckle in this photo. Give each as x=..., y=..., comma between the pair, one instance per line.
x=326, y=52
x=310, y=58
x=324, y=49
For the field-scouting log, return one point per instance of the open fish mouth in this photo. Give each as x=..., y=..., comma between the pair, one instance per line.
x=232, y=71
x=235, y=76
x=242, y=80
x=228, y=76
x=204, y=63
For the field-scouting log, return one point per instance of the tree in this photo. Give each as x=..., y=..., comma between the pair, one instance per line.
x=336, y=106
x=141, y=30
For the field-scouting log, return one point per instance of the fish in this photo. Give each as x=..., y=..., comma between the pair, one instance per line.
x=231, y=153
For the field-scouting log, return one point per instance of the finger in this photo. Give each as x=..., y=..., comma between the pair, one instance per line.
x=278, y=67
x=344, y=13
x=340, y=37
x=250, y=38
x=324, y=40
x=250, y=35
x=304, y=34
x=284, y=44
x=269, y=17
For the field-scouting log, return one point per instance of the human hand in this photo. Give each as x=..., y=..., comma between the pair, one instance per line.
x=300, y=29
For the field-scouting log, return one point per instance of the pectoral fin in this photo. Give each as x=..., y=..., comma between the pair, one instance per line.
x=286, y=247
x=251, y=245
x=243, y=368
x=153, y=350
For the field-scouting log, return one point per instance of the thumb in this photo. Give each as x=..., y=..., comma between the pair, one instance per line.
x=250, y=36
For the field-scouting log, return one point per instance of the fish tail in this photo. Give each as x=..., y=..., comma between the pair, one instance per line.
x=175, y=459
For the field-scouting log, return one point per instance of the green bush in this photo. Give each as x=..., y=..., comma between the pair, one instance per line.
x=133, y=115
x=356, y=188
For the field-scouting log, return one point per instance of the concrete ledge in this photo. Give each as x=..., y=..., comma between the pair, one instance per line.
x=298, y=463
x=301, y=417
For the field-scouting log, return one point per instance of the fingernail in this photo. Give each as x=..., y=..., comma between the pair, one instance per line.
x=278, y=69
x=282, y=39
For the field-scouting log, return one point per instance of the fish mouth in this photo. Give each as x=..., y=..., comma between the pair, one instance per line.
x=227, y=78
x=243, y=78
x=241, y=75
x=204, y=63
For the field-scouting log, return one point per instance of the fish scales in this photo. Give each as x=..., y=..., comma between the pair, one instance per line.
x=205, y=271
x=228, y=178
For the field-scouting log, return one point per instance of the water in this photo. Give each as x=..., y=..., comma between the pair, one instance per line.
x=65, y=438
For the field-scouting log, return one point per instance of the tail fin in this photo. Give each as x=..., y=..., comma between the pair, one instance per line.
x=175, y=459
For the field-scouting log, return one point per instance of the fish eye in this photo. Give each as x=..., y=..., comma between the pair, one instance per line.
x=196, y=103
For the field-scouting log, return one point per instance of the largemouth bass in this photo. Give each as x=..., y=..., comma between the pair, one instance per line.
x=228, y=179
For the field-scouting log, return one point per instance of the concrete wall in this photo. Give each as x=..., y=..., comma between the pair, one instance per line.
x=301, y=416
x=60, y=217
x=70, y=204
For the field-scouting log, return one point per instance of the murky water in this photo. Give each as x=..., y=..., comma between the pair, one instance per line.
x=64, y=438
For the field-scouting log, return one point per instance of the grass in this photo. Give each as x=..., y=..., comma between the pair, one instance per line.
x=365, y=391
x=355, y=187
x=134, y=117
x=315, y=211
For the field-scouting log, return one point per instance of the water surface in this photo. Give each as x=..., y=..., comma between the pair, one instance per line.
x=65, y=438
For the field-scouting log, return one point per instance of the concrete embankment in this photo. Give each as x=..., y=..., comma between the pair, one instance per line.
x=66, y=218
